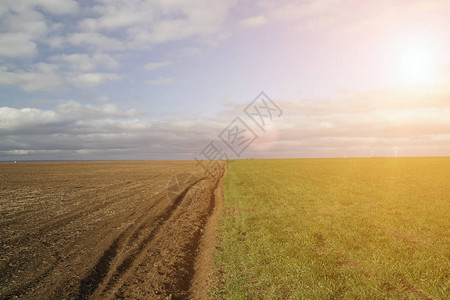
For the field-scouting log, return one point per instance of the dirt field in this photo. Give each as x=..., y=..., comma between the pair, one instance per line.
x=100, y=230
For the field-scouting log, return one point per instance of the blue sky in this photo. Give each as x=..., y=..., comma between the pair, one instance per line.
x=160, y=79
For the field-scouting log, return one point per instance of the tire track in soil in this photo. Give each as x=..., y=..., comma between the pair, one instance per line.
x=120, y=273
x=180, y=239
x=110, y=268
x=199, y=260
x=201, y=247
x=204, y=262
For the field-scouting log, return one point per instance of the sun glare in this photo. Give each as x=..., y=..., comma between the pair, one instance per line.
x=417, y=64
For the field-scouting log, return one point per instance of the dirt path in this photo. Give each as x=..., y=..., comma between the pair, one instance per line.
x=177, y=253
x=204, y=263
x=107, y=232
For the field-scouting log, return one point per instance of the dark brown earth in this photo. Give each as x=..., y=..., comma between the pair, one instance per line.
x=107, y=230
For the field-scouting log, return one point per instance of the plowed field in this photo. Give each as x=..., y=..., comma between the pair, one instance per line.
x=81, y=230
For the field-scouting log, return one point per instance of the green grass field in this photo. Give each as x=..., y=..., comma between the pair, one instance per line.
x=356, y=228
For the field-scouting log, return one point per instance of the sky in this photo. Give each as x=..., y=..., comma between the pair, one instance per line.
x=143, y=80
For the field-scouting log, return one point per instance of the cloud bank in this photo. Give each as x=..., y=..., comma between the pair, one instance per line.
x=355, y=124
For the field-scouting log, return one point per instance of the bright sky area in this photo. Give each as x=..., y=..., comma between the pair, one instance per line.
x=133, y=79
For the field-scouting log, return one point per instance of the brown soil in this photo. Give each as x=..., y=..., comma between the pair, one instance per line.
x=107, y=230
x=204, y=263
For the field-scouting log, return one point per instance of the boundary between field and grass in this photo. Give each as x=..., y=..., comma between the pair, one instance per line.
x=204, y=262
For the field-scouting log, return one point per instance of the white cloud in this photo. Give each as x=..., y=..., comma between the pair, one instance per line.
x=42, y=76
x=78, y=130
x=355, y=123
x=58, y=7
x=17, y=45
x=14, y=119
x=20, y=32
x=55, y=7
x=148, y=23
x=88, y=24
x=253, y=22
x=27, y=22
x=157, y=65
x=102, y=99
x=161, y=81
x=23, y=27
x=289, y=10
x=415, y=120
x=92, y=79
x=96, y=41
x=189, y=51
x=27, y=27
x=85, y=62
x=55, y=42
x=77, y=111
x=49, y=77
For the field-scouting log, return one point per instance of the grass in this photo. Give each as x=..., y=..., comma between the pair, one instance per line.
x=362, y=228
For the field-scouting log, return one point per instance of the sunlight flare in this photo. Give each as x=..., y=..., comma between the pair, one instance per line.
x=417, y=64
